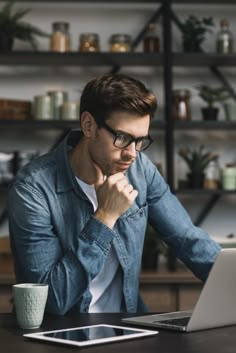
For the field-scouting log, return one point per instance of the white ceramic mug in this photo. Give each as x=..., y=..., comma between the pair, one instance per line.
x=30, y=301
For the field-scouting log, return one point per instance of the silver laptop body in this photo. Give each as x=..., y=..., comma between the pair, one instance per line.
x=215, y=307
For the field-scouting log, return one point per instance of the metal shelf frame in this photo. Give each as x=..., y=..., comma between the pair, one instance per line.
x=209, y=2
x=114, y=61
x=46, y=58
x=205, y=125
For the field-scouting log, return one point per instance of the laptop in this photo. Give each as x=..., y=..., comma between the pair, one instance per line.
x=216, y=306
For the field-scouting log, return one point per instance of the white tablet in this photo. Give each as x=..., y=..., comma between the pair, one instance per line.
x=90, y=335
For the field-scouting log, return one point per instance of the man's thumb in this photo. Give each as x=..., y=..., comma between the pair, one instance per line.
x=100, y=177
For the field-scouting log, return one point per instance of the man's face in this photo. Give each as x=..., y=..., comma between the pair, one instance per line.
x=102, y=150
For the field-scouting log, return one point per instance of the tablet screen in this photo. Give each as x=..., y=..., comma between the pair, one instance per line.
x=89, y=335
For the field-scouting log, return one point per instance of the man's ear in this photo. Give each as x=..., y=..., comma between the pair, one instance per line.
x=87, y=124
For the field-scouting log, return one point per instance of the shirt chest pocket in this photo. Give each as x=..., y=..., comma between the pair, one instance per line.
x=136, y=219
x=135, y=212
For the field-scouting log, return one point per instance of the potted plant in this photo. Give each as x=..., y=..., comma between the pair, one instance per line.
x=212, y=95
x=12, y=27
x=193, y=32
x=197, y=160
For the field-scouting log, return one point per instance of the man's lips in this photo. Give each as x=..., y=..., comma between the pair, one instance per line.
x=124, y=165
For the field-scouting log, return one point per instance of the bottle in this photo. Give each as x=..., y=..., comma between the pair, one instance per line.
x=60, y=38
x=181, y=106
x=151, y=42
x=224, y=42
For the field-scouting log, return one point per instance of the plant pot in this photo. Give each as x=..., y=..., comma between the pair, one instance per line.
x=195, y=180
x=6, y=43
x=210, y=114
x=191, y=46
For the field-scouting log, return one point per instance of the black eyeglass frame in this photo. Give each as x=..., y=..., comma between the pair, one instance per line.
x=132, y=139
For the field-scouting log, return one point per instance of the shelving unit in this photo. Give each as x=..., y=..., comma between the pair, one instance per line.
x=214, y=62
x=173, y=287
x=167, y=60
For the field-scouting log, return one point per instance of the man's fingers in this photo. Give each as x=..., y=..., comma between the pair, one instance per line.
x=128, y=188
x=133, y=195
x=113, y=179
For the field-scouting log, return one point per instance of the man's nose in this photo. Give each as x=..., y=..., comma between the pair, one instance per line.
x=131, y=149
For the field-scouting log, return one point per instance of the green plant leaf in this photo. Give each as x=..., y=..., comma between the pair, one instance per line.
x=212, y=95
x=12, y=26
x=197, y=159
x=19, y=14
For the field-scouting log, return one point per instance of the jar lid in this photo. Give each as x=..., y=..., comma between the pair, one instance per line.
x=120, y=37
x=60, y=26
x=44, y=97
x=90, y=37
x=224, y=22
x=151, y=27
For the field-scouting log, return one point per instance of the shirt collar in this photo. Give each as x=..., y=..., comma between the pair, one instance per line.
x=65, y=179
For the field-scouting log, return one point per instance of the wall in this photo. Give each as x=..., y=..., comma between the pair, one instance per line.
x=105, y=19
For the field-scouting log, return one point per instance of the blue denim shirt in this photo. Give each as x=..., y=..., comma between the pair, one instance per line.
x=56, y=239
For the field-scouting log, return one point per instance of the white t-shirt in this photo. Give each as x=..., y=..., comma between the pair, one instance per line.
x=106, y=287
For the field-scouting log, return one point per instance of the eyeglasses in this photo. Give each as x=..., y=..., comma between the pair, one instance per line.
x=123, y=140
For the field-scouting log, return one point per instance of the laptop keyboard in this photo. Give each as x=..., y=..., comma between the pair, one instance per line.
x=181, y=321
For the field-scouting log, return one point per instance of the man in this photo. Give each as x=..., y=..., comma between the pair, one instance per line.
x=78, y=214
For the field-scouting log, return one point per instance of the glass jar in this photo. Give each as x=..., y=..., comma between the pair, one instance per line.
x=60, y=38
x=70, y=111
x=89, y=42
x=212, y=175
x=57, y=99
x=120, y=43
x=42, y=107
x=181, y=106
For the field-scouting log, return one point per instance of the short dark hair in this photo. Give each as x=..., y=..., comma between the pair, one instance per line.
x=116, y=93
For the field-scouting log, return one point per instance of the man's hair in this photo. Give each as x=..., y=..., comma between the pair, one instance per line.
x=116, y=93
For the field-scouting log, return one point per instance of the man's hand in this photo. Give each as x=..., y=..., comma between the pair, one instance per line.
x=114, y=195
